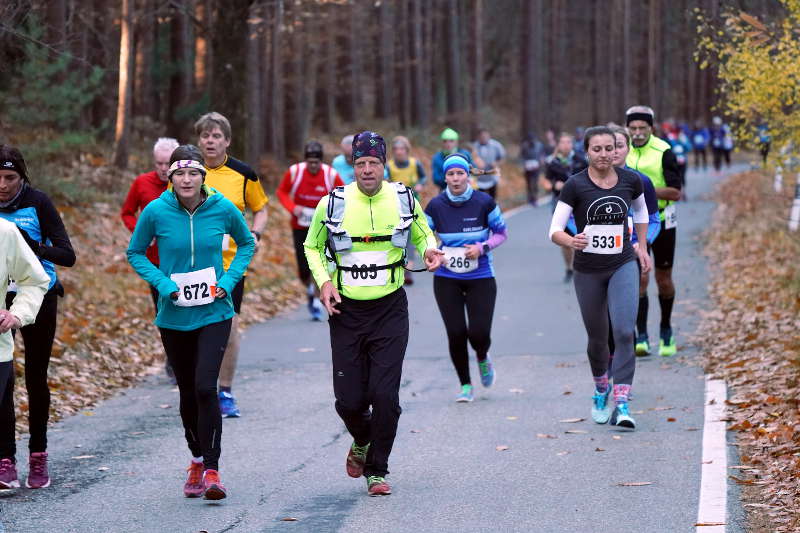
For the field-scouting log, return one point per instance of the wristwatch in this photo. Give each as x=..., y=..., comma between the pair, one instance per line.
x=486, y=248
x=257, y=234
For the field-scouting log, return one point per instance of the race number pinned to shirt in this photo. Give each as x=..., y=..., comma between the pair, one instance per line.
x=670, y=216
x=196, y=288
x=304, y=220
x=456, y=260
x=226, y=242
x=361, y=274
x=604, y=239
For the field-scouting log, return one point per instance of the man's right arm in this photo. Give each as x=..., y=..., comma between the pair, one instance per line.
x=314, y=245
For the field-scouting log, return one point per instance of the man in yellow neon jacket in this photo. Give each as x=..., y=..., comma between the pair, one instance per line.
x=366, y=302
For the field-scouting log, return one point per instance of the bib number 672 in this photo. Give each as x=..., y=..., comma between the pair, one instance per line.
x=196, y=291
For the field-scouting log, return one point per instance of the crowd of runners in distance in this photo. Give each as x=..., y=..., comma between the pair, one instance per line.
x=359, y=229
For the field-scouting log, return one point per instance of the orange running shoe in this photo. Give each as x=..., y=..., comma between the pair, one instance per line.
x=214, y=489
x=193, y=488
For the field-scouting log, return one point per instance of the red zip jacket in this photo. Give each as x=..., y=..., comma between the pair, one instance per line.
x=145, y=188
x=300, y=187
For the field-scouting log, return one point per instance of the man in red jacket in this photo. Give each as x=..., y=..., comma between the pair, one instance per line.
x=301, y=189
x=144, y=189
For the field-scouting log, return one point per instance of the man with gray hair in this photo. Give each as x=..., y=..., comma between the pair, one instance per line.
x=144, y=189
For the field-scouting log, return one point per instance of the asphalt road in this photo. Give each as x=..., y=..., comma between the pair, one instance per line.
x=120, y=467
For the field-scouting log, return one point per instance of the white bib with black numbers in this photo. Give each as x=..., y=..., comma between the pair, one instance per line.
x=604, y=239
x=670, y=216
x=457, y=261
x=304, y=220
x=360, y=262
x=196, y=288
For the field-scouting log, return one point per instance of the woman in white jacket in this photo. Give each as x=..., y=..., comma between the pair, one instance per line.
x=18, y=262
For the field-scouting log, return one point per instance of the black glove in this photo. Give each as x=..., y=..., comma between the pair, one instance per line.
x=34, y=245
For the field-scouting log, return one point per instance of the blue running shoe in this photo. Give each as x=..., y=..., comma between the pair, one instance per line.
x=487, y=371
x=466, y=394
x=227, y=405
x=601, y=407
x=622, y=417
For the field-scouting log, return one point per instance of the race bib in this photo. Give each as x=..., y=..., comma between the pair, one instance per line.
x=531, y=165
x=456, y=260
x=304, y=220
x=670, y=216
x=196, y=288
x=361, y=275
x=604, y=239
x=226, y=242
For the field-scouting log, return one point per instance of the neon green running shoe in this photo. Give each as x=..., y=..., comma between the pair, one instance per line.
x=666, y=346
x=642, y=345
x=466, y=394
x=377, y=486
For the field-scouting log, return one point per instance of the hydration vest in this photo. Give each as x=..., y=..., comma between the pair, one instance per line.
x=340, y=241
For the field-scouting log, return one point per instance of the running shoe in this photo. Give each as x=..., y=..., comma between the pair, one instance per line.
x=356, y=458
x=212, y=486
x=487, y=371
x=622, y=417
x=193, y=488
x=316, y=310
x=38, y=477
x=568, y=276
x=466, y=394
x=642, y=345
x=8, y=474
x=377, y=486
x=666, y=346
x=227, y=405
x=601, y=407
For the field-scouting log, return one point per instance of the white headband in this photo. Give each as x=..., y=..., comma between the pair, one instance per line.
x=186, y=163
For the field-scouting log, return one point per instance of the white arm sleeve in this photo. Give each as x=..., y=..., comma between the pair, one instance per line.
x=640, y=214
x=561, y=217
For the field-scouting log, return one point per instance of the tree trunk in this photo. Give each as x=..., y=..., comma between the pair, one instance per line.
x=253, y=84
x=453, y=53
x=327, y=89
x=56, y=24
x=276, y=116
x=530, y=12
x=145, y=25
x=122, y=129
x=203, y=51
x=419, y=94
x=652, y=52
x=476, y=60
x=384, y=101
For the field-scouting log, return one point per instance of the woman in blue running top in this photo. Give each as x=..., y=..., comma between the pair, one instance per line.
x=470, y=225
x=606, y=278
x=188, y=223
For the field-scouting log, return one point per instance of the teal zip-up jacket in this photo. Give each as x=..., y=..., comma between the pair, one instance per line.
x=186, y=243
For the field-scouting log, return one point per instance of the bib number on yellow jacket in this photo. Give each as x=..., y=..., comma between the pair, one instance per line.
x=361, y=269
x=196, y=288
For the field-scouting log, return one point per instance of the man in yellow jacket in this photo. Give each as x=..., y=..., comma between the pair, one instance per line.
x=364, y=228
x=18, y=262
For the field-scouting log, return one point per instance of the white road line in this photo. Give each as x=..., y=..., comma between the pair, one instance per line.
x=713, y=505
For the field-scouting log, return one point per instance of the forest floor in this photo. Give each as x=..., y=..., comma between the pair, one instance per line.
x=752, y=340
x=105, y=338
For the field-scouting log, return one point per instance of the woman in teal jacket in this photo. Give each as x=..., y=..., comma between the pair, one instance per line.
x=189, y=222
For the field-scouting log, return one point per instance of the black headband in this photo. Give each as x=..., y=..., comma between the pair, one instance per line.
x=10, y=164
x=647, y=117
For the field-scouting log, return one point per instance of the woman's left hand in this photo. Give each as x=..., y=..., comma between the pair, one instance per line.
x=473, y=251
x=221, y=293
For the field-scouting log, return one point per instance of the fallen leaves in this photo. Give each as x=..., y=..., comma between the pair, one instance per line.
x=572, y=420
x=634, y=483
x=545, y=436
x=750, y=339
x=501, y=448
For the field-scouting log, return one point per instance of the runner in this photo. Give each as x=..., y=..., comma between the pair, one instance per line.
x=654, y=158
x=42, y=228
x=560, y=165
x=301, y=189
x=721, y=143
x=17, y=261
x=700, y=139
x=532, y=153
x=144, y=189
x=409, y=171
x=623, y=140
x=605, y=270
x=239, y=184
x=195, y=308
x=470, y=225
x=341, y=163
x=449, y=146
x=364, y=228
x=492, y=153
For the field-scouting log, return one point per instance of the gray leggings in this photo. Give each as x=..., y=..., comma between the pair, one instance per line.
x=612, y=294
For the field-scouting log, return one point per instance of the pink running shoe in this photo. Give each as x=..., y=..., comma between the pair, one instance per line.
x=38, y=477
x=8, y=474
x=214, y=489
x=193, y=488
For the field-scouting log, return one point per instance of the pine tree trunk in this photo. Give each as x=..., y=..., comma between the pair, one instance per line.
x=253, y=84
x=122, y=129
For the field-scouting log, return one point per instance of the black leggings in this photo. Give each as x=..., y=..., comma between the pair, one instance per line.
x=8, y=444
x=38, y=339
x=195, y=357
x=478, y=296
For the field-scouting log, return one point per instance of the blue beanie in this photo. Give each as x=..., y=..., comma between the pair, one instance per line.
x=455, y=161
